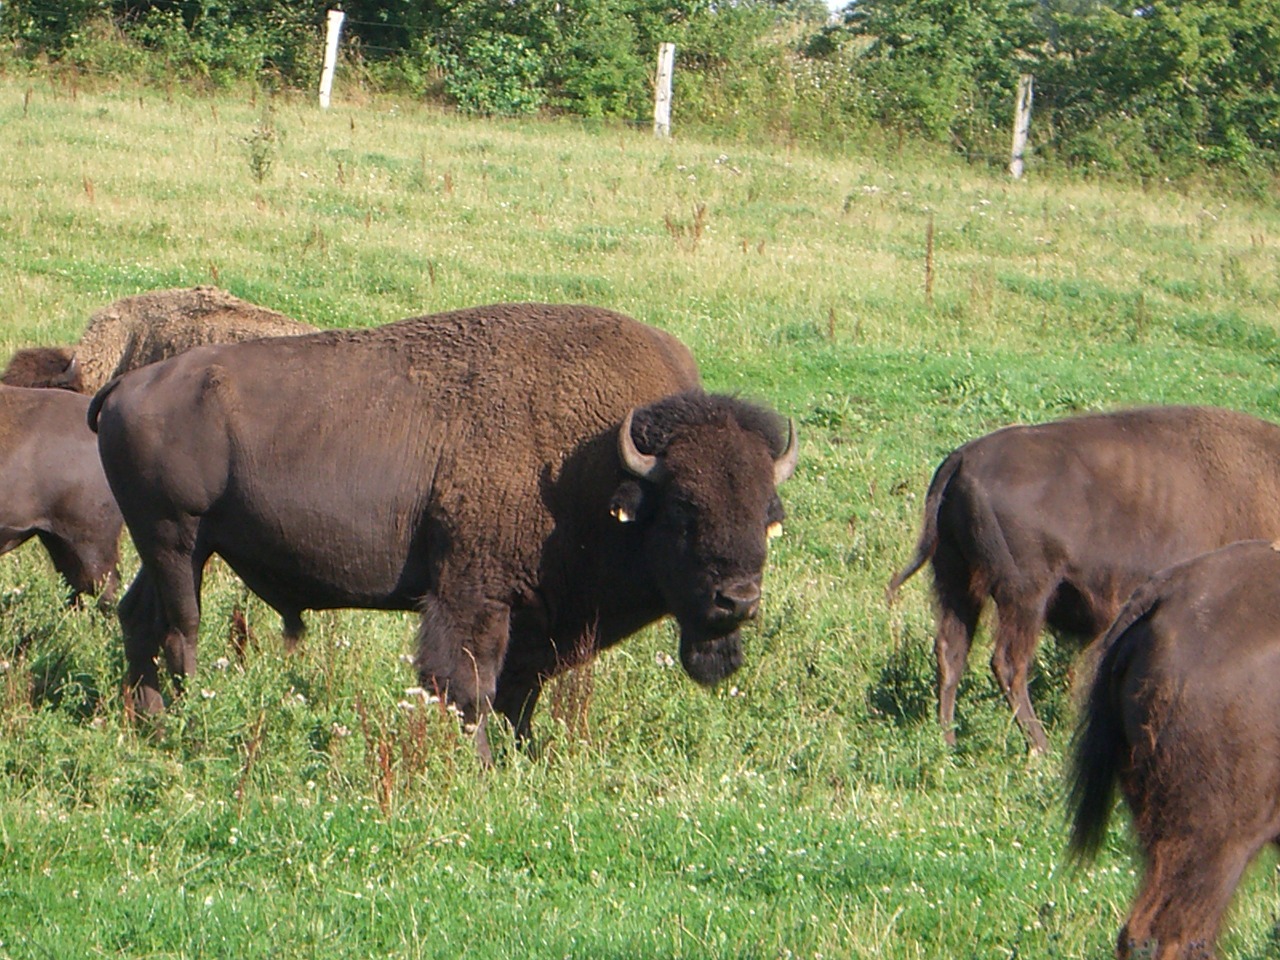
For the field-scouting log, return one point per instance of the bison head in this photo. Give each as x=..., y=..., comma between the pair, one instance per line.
x=48, y=367
x=705, y=496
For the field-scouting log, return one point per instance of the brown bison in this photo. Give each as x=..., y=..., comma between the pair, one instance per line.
x=529, y=477
x=54, y=488
x=1059, y=523
x=1183, y=713
x=135, y=331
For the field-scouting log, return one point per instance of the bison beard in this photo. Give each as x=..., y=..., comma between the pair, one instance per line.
x=708, y=661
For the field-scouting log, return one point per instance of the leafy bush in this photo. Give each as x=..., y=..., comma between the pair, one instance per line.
x=498, y=75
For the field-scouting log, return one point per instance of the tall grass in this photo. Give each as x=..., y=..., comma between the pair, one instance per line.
x=807, y=807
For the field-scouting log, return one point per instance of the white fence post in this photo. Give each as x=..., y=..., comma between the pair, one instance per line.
x=1021, y=125
x=662, y=90
x=332, y=29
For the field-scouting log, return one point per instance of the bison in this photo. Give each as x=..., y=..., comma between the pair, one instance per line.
x=54, y=488
x=1058, y=523
x=143, y=329
x=1182, y=713
x=528, y=477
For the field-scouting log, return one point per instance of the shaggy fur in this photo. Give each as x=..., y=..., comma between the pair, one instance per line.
x=150, y=327
x=1058, y=523
x=44, y=367
x=1182, y=715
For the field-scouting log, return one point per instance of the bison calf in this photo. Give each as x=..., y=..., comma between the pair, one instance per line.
x=1059, y=523
x=529, y=477
x=1182, y=712
x=54, y=488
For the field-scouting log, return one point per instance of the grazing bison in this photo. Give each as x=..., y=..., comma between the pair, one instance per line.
x=135, y=331
x=528, y=477
x=44, y=367
x=1058, y=523
x=54, y=488
x=1183, y=713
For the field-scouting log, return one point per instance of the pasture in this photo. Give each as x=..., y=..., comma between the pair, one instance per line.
x=805, y=808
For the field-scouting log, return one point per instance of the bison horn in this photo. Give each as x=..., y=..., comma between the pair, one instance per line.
x=784, y=465
x=646, y=466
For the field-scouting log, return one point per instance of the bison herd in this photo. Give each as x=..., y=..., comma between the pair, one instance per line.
x=540, y=481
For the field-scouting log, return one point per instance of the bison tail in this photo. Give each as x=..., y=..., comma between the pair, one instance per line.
x=99, y=398
x=1099, y=749
x=928, y=541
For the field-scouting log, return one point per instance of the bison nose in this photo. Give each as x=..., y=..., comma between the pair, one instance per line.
x=739, y=600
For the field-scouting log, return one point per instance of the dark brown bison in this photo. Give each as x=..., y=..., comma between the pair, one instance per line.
x=45, y=368
x=54, y=489
x=143, y=329
x=526, y=476
x=1182, y=712
x=1059, y=523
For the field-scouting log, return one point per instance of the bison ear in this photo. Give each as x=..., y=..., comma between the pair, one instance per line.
x=627, y=502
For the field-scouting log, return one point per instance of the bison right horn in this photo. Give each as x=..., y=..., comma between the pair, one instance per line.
x=646, y=466
x=784, y=465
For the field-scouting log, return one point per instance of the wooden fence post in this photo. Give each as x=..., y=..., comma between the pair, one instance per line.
x=332, y=30
x=662, y=90
x=1021, y=125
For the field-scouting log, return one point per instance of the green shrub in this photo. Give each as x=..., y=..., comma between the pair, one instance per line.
x=499, y=75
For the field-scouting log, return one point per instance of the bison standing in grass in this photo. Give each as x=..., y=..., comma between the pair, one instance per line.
x=529, y=477
x=135, y=331
x=1183, y=713
x=1058, y=523
x=54, y=489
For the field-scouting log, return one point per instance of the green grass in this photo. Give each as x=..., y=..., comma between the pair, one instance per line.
x=808, y=807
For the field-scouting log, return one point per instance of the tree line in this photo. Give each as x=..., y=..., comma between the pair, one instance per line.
x=1152, y=90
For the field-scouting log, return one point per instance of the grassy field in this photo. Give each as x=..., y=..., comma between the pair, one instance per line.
x=308, y=807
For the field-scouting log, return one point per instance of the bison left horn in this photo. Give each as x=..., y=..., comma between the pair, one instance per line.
x=784, y=465
x=646, y=466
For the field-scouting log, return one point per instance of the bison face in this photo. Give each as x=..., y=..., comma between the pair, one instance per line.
x=708, y=506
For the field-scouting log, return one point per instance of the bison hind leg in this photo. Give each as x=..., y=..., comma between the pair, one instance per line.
x=1187, y=886
x=143, y=626
x=959, y=603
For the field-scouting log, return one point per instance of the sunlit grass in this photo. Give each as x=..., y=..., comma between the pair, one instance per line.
x=806, y=807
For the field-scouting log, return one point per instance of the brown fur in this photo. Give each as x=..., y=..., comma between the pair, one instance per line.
x=1182, y=714
x=43, y=367
x=1058, y=523
x=150, y=327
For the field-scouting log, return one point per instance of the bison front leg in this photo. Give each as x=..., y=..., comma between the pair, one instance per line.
x=460, y=651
